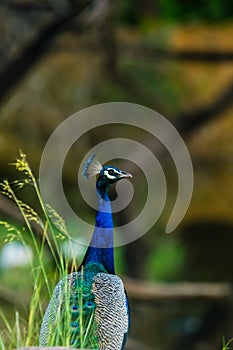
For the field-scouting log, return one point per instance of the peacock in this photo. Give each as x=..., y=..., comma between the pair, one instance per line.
x=91, y=305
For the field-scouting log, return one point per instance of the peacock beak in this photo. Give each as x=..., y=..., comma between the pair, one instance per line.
x=125, y=174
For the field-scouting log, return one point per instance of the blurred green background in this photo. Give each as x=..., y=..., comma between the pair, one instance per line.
x=175, y=57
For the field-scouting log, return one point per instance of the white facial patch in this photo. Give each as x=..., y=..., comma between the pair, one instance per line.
x=111, y=177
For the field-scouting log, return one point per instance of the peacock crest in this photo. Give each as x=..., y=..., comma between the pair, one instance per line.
x=92, y=167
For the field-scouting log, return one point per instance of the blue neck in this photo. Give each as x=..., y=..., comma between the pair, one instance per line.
x=100, y=250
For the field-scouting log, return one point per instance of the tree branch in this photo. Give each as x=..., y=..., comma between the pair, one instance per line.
x=20, y=65
x=181, y=55
x=185, y=122
x=154, y=291
x=191, y=120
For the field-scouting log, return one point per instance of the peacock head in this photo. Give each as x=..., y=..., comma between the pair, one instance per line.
x=108, y=174
x=111, y=174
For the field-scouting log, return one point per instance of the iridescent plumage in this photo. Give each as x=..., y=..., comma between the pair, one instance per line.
x=92, y=301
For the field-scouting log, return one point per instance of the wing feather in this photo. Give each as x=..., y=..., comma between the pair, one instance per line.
x=111, y=315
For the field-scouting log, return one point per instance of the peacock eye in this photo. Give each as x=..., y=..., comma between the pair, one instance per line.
x=111, y=172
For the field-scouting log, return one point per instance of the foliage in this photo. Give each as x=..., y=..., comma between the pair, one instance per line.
x=26, y=332
x=167, y=263
x=177, y=10
x=226, y=344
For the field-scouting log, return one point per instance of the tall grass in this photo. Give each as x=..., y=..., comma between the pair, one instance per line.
x=26, y=332
x=226, y=344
